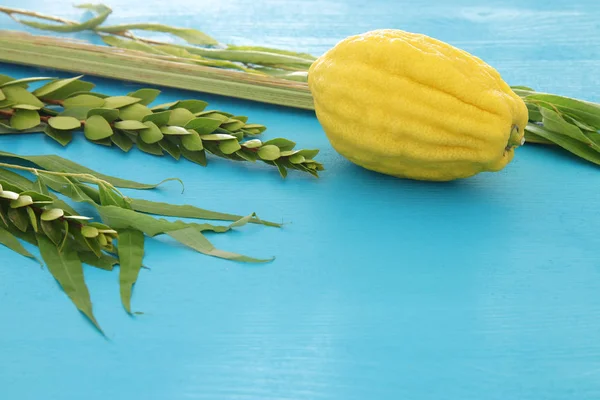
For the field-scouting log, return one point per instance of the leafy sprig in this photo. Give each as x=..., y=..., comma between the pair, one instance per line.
x=572, y=124
x=201, y=48
x=31, y=210
x=182, y=128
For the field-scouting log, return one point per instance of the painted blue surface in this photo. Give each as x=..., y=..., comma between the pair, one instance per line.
x=482, y=289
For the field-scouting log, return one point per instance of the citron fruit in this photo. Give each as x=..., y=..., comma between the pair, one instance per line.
x=408, y=105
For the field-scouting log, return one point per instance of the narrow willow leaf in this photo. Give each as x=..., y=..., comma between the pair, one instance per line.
x=198, y=157
x=108, y=198
x=25, y=119
x=250, y=57
x=229, y=146
x=93, y=245
x=19, y=218
x=572, y=145
x=191, y=36
x=203, y=125
x=151, y=134
x=64, y=123
x=52, y=87
x=587, y=112
x=180, y=117
x=188, y=211
x=150, y=148
x=105, y=261
x=197, y=241
x=192, y=141
x=97, y=128
x=146, y=96
x=119, y=101
x=581, y=125
x=3, y=217
x=131, y=253
x=131, y=44
x=174, y=130
x=271, y=50
x=32, y=218
x=135, y=112
x=283, y=144
x=130, y=125
x=171, y=148
x=78, y=112
x=109, y=114
x=66, y=268
x=554, y=122
x=102, y=11
x=159, y=118
x=41, y=187
x=122, y=141
x=192, y=105
x=269, y=152
x=84, y=100
x=10, y=241
x=20, y=82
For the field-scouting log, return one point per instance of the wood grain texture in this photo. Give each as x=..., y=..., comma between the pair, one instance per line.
x=485, y=289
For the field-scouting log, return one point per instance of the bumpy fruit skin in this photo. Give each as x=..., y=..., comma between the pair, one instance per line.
x=411, y=106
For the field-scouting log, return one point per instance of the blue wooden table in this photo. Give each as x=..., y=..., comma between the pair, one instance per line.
x=484, y=289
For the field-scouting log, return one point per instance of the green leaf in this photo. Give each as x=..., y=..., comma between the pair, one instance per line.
x=120, y=101
x=271, y=50
x=252, y=144
x=587, y=112
x=269, y=152
x=66, y=268
x=97, y=128
x=20, y=82
x=174, y=130
x=217, y=137
x=159, y=118
x=78, y=112
x=89, y=231
x=54, y=86
x=164, y=106
x=151, y=134
x=297, y=158
x=220, y=115
x=247, y=155
x=192, y=105
x=197, y=241
x=122, y=141
x=32, y=219
x=64, y=123
x=25, y=107
x=9, y=194
x=75, y=86
x=171, y=148
x=102, y=11
x=109, y=114
x=147, y=96
x=198, y=157
x=574, y=146
x=232, y=125
x=22, y=201
x=84, y=100
x=180, y=117
x=53, y=230
x=52, y=214
x=202, y=125
x=130, y=125
x=229, y=146
x=25, y=119
x=2, y=95
x=105, y=261
x=131, y=253
x=283, y=144
x=19, y=218
x=10, y=241
x=191, y=36
x=150, y=148
x=309, y=154
x=135, y=112
x=109, y=198
x=553, y=121
x=192, y=141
